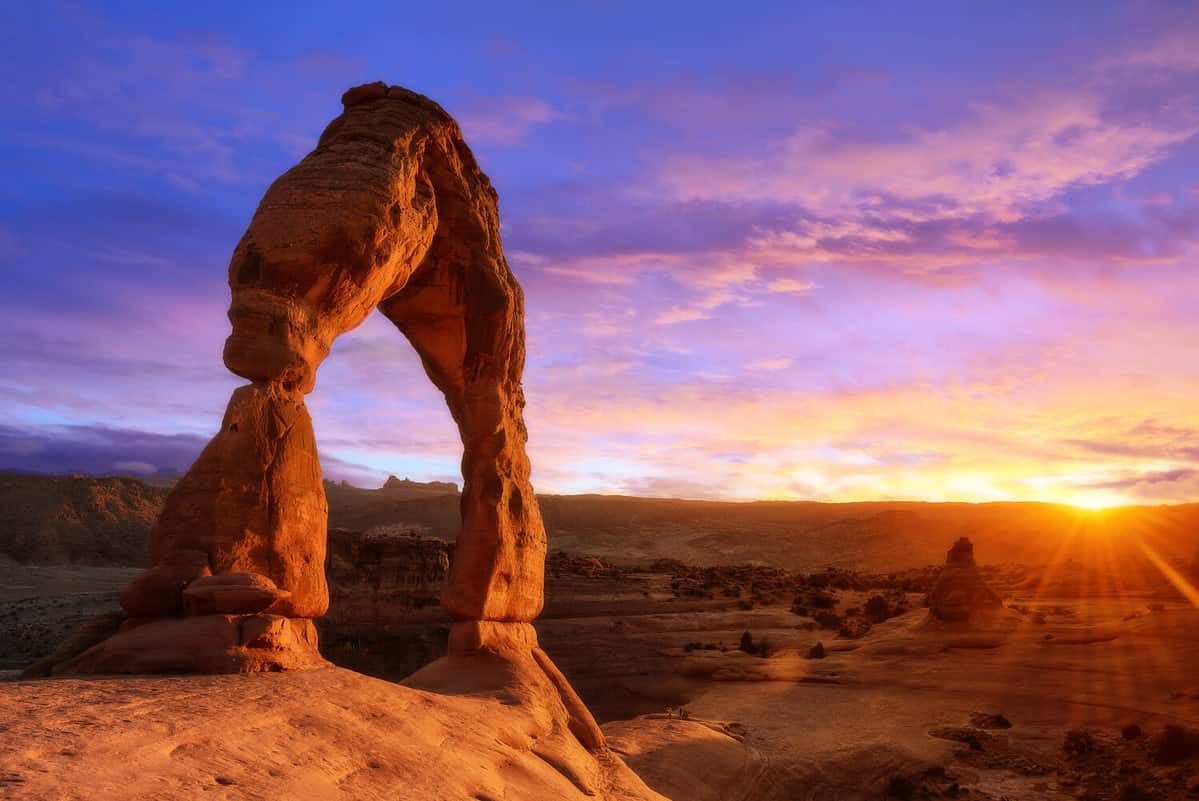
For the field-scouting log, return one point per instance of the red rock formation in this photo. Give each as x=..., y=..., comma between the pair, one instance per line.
x=960, y=592
x=390, y=211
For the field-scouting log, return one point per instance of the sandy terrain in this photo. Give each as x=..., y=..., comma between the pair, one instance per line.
x=898, y=705
x=41, y=604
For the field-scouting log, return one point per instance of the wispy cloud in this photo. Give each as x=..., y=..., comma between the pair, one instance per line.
x=503, y=120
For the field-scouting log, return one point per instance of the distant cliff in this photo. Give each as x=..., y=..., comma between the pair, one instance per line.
x=76, y=519
x=384, y=587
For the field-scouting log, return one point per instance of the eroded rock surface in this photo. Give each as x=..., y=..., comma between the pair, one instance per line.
x=390, y=211
x=313, y=734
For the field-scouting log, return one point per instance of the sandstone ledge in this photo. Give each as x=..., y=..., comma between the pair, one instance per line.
x=318, y=734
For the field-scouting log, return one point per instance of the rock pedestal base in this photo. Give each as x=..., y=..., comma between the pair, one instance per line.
x=504, y=659
x=960, y=591
x=202, y=644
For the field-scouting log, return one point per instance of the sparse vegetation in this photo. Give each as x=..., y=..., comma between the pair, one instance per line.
x=1078, y=742
x=1175, y=744
x=878, y=609
x=827, y=620
x=1136, y=792
x=762, y=648
x=901, y=787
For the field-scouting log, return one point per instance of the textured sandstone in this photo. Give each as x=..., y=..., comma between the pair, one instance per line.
x=390, y=211
x=312, y=735
x=202, y=644
x=159, y=591
x=253, y=501
x=494, y=654
x=232, y=593
x=960, y=591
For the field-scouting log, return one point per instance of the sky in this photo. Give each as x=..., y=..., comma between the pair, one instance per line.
x=837, y=251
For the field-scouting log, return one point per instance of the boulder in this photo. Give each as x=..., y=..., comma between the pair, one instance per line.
x=232, y=593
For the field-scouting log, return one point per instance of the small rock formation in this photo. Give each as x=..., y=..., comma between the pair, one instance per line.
x=390, y=211
x=960, y=591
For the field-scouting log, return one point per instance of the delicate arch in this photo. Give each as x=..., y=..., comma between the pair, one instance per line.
x=390, y=211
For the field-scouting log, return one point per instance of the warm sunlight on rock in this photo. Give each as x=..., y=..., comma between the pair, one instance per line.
x=656, y=402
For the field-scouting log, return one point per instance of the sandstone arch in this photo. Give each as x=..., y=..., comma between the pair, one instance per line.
x=390, y=211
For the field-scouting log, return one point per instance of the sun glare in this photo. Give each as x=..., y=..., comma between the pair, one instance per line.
x=1097, y=502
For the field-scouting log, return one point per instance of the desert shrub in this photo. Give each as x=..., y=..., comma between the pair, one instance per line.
x=1137, y=792
x=745, y=604
x=802, y=611
x=816, y=651
x=1132, y=731
x=878, y=609
x=1078, y=742
x=853, y=611
x=902, y=787
x=1175, y=744
x=852, y=629
x=765, y=648
x=684, y=713
x=821, y=600
x=827, y=620
x=692, y=646
x=843, y=582
x=747, y=643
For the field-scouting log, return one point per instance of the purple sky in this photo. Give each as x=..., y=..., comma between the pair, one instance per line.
x=942, y=252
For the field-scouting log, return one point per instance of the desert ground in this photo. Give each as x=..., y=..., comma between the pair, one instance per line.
x=819, y=674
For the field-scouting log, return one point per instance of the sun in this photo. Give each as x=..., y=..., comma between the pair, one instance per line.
x=1097, y=502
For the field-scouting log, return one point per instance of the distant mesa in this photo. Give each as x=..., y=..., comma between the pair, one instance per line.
x=960, y=591
x=407, y=486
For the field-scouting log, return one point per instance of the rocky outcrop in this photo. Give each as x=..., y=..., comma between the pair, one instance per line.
x=960, y=591
x=390, y=211
x=253, y=501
